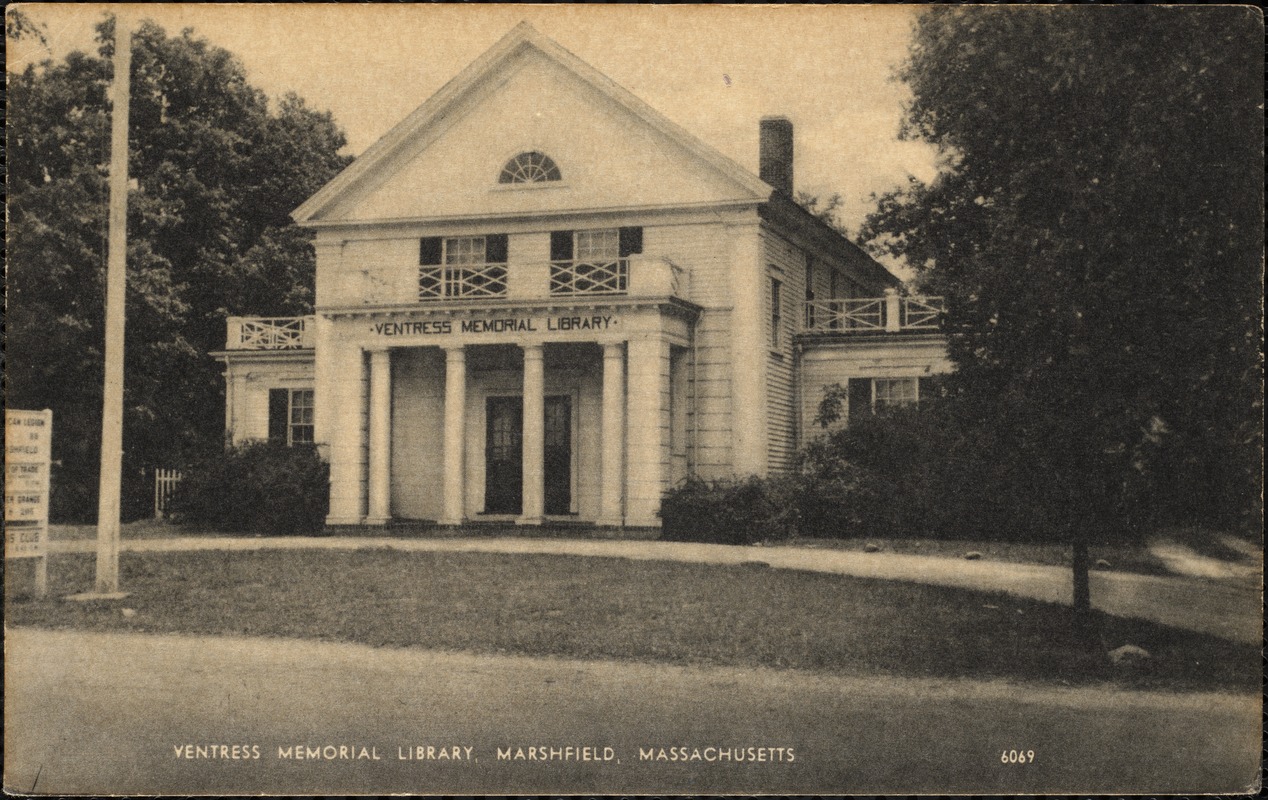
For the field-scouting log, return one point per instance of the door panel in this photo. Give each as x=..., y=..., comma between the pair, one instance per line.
x=503, y=455
x=558, y=455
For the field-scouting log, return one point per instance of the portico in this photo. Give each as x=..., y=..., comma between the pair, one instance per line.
x=519, y=414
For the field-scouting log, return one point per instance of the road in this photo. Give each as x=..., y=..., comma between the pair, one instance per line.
x=1233, y=610
x=113, y=713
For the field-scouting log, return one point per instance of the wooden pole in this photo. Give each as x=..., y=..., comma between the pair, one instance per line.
x=108, y=501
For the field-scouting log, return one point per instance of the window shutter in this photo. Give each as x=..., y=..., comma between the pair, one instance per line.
x=495, y=248
x=429, y=248
x=860, y=397
x=279, y=414
x=631, y=241
x=561, y=245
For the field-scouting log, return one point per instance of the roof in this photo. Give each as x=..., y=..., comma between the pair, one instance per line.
x=475, y=74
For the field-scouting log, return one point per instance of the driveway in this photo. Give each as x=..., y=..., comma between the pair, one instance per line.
x=142, y=714
x=1231, y=610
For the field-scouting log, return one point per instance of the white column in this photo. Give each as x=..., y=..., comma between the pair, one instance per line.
x=341, y=409
x=648, y=422
x=532, y=512
x=613, y=444
x=380, y=480
x=455, y=435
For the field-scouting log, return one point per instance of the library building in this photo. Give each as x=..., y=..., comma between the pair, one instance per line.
x=539, y=300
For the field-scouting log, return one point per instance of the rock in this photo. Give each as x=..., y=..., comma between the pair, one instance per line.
x=1102, y=564
x=1128, y=655
x=972, y=555
x=871, y=548
x=128, y=613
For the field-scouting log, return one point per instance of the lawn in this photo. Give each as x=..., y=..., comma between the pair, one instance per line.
x=622, y=609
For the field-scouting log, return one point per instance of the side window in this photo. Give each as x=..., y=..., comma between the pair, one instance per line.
x=291, y=416
x=776, y=313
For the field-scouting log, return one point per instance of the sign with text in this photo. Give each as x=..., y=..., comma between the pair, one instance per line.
x=28, y=437
x=587, y=322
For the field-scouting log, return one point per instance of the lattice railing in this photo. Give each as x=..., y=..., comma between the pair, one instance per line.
x=465, y=280
x=268, y=333
x=921, y=313
x=589, y=277
x=855, y=314
x=870, y=314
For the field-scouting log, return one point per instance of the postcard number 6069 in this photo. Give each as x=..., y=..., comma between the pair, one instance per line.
x=1017, y=756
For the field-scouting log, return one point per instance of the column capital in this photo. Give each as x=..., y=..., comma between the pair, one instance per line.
x=454, y=352
x=534, y=351
x=613, y=349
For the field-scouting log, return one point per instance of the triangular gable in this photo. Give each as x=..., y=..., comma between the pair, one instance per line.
x=392, y=151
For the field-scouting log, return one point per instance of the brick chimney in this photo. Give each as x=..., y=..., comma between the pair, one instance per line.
x=775, y=153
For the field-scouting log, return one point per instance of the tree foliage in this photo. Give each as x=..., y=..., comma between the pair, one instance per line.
x=214, y=173
x=1097, y=232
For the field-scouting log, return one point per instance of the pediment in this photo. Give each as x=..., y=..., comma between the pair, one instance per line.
x=612, y=150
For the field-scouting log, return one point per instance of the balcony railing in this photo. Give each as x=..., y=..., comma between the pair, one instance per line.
x=269, y=333
x=637, y=276
x=589, y=277
x=891, y=314
x=454, y=281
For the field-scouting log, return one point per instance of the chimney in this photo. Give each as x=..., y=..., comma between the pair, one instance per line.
x=775, y=153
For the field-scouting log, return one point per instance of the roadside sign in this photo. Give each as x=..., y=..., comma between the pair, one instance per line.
x=28, y=437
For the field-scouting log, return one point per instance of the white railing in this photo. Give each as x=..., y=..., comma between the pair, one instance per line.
x=454, y=281
x=891, y=313
x=269, y=333
x=921, y=313
x=589, y=277
x=636, y=276
x=165, y=482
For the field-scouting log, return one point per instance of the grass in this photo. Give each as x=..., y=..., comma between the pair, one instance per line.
x=1123, y=558
x=622, y=609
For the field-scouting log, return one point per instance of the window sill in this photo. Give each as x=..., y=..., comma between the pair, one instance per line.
x=529, y=187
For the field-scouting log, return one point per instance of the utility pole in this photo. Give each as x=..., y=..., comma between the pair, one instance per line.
x=108, y=500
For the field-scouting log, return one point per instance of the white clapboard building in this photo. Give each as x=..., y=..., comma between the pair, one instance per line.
x=540, y=300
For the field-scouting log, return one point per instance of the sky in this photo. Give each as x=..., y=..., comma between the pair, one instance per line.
x=714, y=70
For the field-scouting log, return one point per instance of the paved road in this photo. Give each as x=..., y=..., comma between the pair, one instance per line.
x=1233, y=610
x=112, y=713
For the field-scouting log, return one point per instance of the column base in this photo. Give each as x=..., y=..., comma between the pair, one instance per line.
x=377, y=521
x=452, y=523
x=530, y=521
x=341, y=522
x=610, y=522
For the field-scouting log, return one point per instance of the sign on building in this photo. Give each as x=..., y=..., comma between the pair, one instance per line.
x=28, y=437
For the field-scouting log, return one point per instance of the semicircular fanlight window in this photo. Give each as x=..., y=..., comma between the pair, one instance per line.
x=530, y=167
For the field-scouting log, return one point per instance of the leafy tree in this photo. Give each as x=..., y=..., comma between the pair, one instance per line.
x=1097, y=232
x=215, y=173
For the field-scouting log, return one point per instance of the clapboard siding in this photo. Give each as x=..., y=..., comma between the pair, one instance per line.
x=787, y=264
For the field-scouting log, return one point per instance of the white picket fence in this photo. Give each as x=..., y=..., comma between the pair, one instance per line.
x=165, y=481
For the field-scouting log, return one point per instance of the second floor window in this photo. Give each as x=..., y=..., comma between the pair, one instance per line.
x=462, y=266
x=592, y=261
x=776, y=313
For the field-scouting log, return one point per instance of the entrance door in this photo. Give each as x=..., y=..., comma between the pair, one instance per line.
x=503, y=455
x=558, y=453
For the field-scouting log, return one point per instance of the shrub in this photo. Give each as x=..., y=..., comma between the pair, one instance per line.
x=730, y=511
x=259, y=487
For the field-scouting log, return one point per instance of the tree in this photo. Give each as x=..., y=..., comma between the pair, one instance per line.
x=827, y=210
x=1097, y=231
x=216, y=173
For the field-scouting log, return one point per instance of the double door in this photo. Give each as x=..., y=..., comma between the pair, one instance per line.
x=504, y=455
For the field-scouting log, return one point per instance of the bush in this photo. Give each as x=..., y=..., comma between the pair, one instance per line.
x=730, y=512
x=259, y=487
